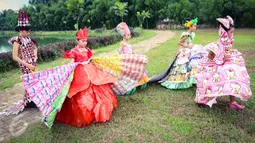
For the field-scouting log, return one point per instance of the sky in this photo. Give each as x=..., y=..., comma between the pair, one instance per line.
x=12, y=4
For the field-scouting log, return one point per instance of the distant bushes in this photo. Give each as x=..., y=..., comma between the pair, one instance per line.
x=53, y=51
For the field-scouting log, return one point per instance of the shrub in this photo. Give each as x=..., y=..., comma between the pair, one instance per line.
x=99, y=30
x=55, y=50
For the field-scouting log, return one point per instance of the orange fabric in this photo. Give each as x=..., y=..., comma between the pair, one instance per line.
x=96, y=103
x=80, y=81
x=143, y=80
x=97, y=76
x=90, y=97
x=84, y=74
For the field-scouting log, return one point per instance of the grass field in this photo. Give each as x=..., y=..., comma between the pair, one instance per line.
x=161, y=115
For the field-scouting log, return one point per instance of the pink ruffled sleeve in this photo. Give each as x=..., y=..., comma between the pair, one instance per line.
x=14, y=39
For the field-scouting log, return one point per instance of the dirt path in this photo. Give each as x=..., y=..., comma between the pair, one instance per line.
x=15, y=125
x=153, y=42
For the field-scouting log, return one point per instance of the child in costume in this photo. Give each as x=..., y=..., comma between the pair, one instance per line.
x=90, y=97
x=126, y=48
x=180, y=74
x=85, y=96
x=25, y=53
x=77, y=99
x=223, y=72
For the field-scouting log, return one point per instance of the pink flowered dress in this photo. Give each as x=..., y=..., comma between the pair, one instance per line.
x=225, y=75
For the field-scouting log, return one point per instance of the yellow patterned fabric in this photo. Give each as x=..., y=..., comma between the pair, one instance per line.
x=111, y=62
x=178, y=78
x=128, y=68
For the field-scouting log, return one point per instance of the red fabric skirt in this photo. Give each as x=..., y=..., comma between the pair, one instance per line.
x=90, y=97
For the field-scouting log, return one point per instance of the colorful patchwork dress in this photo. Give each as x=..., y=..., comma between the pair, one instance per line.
x=180, y=74
x=78, y=94
x=224, y=75
x=127, y=49
x=90, y=97
x=129, y=68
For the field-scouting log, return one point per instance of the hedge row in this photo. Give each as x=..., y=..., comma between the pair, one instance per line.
x=53, y=51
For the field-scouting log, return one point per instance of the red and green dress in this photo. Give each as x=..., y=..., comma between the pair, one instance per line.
x=79, y=94
x=90, y=97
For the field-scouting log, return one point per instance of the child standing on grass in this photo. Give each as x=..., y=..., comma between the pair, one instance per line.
x=25, y=53
x=223, y=72
x=90, y=97
x=126, y=48
x=180, y=74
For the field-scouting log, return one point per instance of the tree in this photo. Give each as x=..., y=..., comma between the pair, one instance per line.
x=141, y=16
x=9, y=18
x=121, y=9
x=102, y=12
x=75, y=8
x=63, y=14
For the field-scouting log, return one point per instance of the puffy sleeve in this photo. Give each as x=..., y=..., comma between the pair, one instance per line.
x=70, y=54
x=14, y=39
x=218, y=50
x=184, y=34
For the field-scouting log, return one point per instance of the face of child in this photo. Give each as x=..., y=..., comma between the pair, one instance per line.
x=193, y=27
x=82, y=43
x=128, y=36
x=231, y=31
x=24, y=33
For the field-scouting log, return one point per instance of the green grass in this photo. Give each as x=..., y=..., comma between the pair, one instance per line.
x=9, y=79
x=161, y=115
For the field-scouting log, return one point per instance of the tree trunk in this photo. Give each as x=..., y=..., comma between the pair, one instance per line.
x=147, y=22
x=78, y=22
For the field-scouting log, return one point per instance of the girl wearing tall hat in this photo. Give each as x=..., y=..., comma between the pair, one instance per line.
x=25, y=53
